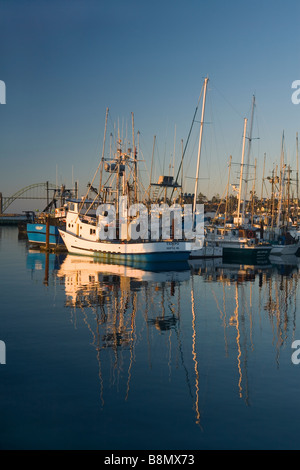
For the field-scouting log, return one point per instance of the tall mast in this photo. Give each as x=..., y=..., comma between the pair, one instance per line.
x=135, y=161
x=174, y=152
x=297, y=179
x=150, y=182
x=248, y=158
x=281, y=179
x=226, y=204
x=103, y=149
x=199, y=150
x=263, y=179
x=253, y=193
x=241, y=172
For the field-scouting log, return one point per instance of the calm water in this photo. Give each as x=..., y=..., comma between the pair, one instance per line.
x=115, y=358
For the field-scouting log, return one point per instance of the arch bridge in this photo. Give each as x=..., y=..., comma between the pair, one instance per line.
x=45, y=191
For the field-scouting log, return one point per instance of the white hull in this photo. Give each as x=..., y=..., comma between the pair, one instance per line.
x=137, y=251
x=279, y=250
x=207, y=252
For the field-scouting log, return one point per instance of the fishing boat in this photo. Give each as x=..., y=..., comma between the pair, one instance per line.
x=282, y=236
x=37, y=230
x=238, y=243
x=109, y=234
x=43, y=230
x=82, y=236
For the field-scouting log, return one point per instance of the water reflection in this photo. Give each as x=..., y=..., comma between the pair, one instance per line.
x=114, y=295
x=277, y=288
x=122, y=306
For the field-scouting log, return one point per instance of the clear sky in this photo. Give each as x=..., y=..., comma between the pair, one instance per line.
x=65, y=62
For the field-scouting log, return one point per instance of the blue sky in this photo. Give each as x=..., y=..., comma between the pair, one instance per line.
x=65, y=62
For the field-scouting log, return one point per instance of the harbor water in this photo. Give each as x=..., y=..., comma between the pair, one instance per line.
x=107, y=357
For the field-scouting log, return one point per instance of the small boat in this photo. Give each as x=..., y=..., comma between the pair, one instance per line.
x=53, y=217
x=239, y=243
x=282, y=244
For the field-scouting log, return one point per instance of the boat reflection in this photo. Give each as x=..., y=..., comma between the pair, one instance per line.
x=111, y=298
x=261, y=295
x=143, y=311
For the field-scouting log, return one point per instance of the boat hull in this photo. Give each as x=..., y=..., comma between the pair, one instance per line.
x=36, y=234
x=253, y=254
x=279, y=250
x=159, y=251
x=207, y=252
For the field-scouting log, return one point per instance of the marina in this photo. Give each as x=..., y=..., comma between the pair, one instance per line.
x=174, y=356
x=149, y=228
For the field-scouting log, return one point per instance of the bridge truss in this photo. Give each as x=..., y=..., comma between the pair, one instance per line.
x=43, y=191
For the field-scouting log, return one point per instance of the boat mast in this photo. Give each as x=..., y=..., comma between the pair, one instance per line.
x=135, y=161
x=150, y=182
x=241, y=172
x=248, y=159
x=282, y=172
x=103, y=149
x=199, y=151
x=253, y=194
x=263, y=180
x=226, y=204
x=297, y=179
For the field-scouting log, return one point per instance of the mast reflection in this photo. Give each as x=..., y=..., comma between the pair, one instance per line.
x=115, y=294
x=277, y=286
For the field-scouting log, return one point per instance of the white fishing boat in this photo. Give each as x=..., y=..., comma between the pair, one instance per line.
x=82, y=237
x=114, y=235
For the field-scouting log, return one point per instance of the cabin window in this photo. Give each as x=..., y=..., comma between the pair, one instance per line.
x=92, y=231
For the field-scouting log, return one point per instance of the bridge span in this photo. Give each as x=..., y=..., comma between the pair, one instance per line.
x=45, y=191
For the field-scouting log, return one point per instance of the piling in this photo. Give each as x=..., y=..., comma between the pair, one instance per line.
x=47, y=232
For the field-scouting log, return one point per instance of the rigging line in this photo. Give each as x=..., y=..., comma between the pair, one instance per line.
x=188, y=138
x=214, y=139
x=225, y=99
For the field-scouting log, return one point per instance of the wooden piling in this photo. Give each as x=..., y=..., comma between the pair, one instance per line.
x=47, y=231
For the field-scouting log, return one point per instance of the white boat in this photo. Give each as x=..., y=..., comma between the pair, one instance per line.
x=279, y=250
x=81, y=238
x=205, y=250
x=108, y=235
x=238, y=243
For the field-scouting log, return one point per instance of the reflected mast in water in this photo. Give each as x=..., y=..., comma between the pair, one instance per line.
x=110, y=291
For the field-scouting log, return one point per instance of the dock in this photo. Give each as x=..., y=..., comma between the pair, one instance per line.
x=12, y=219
